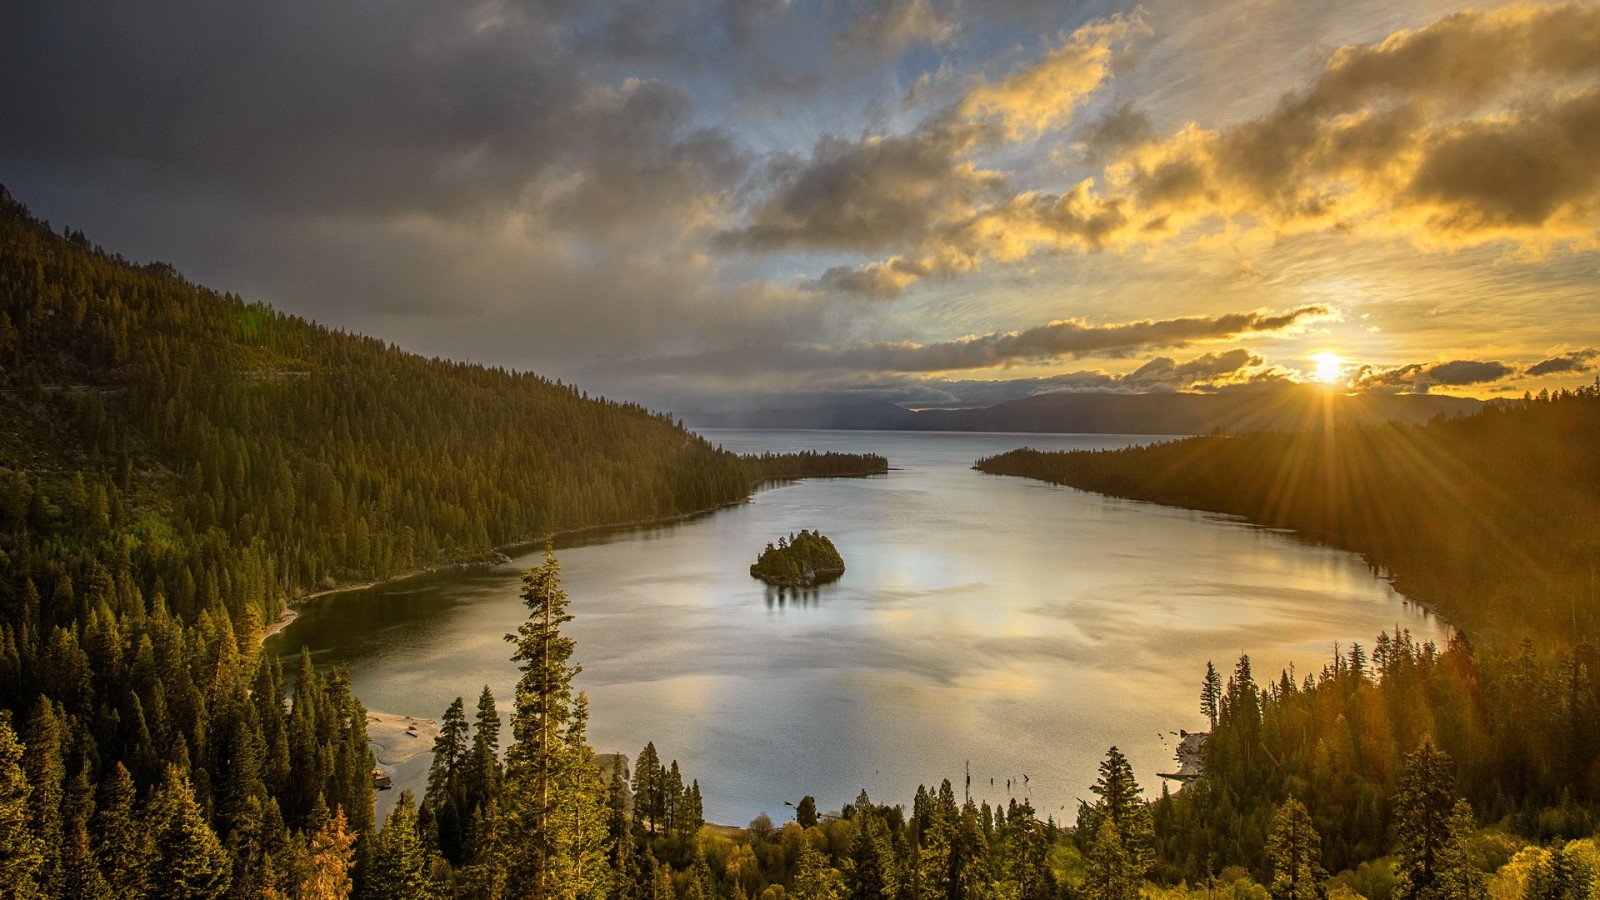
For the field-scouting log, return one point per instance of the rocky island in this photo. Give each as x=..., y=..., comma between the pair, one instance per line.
x=806, y=559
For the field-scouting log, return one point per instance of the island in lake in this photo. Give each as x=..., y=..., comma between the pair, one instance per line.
x=806, y=559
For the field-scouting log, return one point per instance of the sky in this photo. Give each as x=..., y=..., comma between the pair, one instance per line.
x=710, y=203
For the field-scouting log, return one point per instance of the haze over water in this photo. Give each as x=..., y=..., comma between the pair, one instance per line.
x=1022, y=626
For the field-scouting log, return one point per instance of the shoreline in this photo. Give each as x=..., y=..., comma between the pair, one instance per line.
x=499, y=556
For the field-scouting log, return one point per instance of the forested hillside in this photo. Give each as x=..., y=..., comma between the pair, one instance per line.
x=176, y=464
x=1492, y=519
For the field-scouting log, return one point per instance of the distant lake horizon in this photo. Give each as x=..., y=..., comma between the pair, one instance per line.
x=1019, y=627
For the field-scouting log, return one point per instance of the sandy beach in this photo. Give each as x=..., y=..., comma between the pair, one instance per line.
x=395, y=739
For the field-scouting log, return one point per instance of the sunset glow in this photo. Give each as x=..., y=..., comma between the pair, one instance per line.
x=701, y=205
x=1330, y=367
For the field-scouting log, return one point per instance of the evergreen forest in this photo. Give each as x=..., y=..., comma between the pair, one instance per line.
x=177, y=464
x=799, y=560
x=1492, y=520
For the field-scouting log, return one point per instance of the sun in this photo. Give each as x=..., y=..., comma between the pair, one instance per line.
x=1330, y=367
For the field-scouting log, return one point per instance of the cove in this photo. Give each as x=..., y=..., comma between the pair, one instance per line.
x=1017, y=626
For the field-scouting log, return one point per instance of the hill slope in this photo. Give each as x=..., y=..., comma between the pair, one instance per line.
x=307, y=454
x=1492, y=519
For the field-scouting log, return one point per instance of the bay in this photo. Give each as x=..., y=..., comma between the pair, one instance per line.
x=1004, y=624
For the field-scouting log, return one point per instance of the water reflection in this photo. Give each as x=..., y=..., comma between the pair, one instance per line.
x=794, y=596
x=1022, y=626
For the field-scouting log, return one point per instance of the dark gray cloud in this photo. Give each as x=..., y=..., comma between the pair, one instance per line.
x=340, y=108
x=868, y=195
x=1057, y=340
x=907, y=191
x=1116, y=131
x=410, y=166
x=1419, y=378
x=1576, y=361
x=1204, y=368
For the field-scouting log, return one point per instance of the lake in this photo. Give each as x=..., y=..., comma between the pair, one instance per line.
x=1019, y=627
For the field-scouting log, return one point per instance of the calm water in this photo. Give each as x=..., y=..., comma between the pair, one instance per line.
x=1022, y=626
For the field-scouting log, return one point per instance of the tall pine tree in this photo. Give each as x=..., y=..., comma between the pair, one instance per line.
x=553, y=816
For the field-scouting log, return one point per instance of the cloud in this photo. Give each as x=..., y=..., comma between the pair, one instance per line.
x=1208, y=372
x=1480, y=128
x=888, y=27
x=1206, y=368
x=1053, y=341
x=892, y=191
x=1117, y=130
x=1044, y=95
x=1418, y=378
x=1576, y=361
x=871, y=194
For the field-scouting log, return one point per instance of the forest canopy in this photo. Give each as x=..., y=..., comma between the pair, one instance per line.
x=806, y=559
x=1492, y=520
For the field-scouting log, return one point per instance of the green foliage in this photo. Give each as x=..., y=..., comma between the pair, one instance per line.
x=553, y=822
x=21, y=857
x=1295, y=850
x=1424, y=801
x=1120, y=831
x=805, y=812
x=400, y=859
x=800, y=560
x=815, y=879
x=187, y=861
x=1113, y=874
x=810, y=464
x=1491, y=519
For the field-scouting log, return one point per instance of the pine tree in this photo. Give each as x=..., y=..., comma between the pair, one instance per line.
x=1458, y=878
x=482, y=778
x=969, y=857
x=694, y=812
x=45, y=767
x=80, y=877
x=805, y=812
x=874, y=872
x=322, y=867
x=1211, y=694
x=1121, y=830
x=648, y=805
x=553, y=821
x=700, y=886
x=20, y=855
x=814, y=879
x=1026, y=849
x=672, y=791
x=1112, y=873
x=1295, y=851
x=187, y=861
x=1423, y=803
x=449, y=753
x=400, y=862
x=120, y=843
x=1122, y=801
x=931, y=872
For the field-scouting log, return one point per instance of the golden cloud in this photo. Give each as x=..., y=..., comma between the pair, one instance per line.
x=1480, y=128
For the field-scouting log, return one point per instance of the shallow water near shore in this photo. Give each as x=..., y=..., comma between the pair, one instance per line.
x=1019, y=626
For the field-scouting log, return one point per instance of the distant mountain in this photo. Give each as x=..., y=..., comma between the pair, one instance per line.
x=873, y=416
x=1284, y=408
x=1287, y=408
